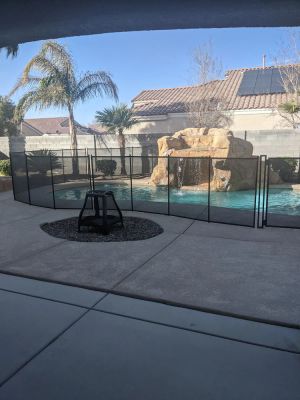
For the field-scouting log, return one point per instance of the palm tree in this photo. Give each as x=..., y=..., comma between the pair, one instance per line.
x=56, y=84
x=117, y=119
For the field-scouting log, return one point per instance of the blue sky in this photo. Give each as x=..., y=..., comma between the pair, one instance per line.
x=148, y=60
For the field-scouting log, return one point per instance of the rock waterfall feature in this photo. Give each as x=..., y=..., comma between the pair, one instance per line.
x=199, y=156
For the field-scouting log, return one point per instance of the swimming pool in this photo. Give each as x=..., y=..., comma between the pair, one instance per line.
x=281, y=201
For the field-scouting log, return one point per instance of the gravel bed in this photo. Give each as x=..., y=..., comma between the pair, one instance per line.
x=134, y=229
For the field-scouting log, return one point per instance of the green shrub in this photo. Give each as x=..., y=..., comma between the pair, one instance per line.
x=285, y=167
x=5, y=167
x=39, y=161
x=108, y=167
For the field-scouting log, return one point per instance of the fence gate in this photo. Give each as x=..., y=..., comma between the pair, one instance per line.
x=282, y=197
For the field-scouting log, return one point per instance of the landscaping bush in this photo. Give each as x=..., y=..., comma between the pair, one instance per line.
x=39, y=161
x=5, y=167
x=285, y=167
x=108, y=167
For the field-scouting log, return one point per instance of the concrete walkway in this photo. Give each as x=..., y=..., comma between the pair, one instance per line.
x=63, y=343
x=228, y=269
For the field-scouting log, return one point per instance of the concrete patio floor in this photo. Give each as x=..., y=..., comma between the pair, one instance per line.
x=64, y=343
x=226, y=269
x=59, y=342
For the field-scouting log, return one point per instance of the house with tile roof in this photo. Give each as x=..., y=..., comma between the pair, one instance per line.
x=50, y=126
x=251, y=100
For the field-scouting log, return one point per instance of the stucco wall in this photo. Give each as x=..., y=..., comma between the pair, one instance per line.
x=58, y=142
x=167, y=124
x=262, y=119
x=4, y=147
x=275, y=143
x=270, y=142
x=257, y=120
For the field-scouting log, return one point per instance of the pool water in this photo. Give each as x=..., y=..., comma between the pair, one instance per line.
x=281, y=201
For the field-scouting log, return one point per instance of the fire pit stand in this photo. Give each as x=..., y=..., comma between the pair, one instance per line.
x=101, y=220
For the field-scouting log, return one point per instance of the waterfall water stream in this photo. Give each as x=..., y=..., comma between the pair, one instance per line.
x=180, y=172
x=191, y=171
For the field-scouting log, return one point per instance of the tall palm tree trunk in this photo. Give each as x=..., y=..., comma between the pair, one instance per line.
x=121, y=140
x=74, y=144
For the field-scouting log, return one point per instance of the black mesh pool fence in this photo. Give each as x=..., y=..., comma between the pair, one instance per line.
x=100, y=151
x=254, y=191
x=282, y=202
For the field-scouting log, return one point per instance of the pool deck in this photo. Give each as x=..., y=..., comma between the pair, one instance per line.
x=229, y=269
x=64, y=343
x=59, y=342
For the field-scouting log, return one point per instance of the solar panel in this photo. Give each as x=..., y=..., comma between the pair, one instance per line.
x=248, y=83
x=277, y=85
x=261, y=81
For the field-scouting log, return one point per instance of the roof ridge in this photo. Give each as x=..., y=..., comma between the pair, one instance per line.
x=30, y=119
x=178, y=87
x=227, y=72
x=31, y=126
x=260, y=67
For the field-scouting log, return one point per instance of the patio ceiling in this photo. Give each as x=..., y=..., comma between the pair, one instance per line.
x=23, y=21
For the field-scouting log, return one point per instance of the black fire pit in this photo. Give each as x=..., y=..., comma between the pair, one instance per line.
x=101, y=221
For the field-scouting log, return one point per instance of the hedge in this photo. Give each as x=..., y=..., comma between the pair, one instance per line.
x=108, y=167
x=5, y=167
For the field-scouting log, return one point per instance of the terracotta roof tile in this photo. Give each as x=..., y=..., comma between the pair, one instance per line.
x=175, y=100
x=50, y=126
x=58, y=125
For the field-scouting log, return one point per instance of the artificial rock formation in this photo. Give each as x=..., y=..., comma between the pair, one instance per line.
x=201, y=155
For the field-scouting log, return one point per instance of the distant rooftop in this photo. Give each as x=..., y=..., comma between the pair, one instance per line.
x=50, y=126
x=175, y=100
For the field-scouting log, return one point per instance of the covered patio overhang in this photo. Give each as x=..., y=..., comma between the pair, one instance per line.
x=23, y=21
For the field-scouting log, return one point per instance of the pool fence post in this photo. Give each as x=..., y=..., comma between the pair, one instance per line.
x=89, y=170
x=208, y=194
x=52, y=182
x=264, y=169
x=92, y=173
x=261, y=191
x=267, y=190
x=95, y=146
x=130, y=171
x=257, y=176
x=63, y=164
x=168, y=185
x=12, y=173
x=259, y=225
x=152, y=163
x=28, y=185
x=86, y=161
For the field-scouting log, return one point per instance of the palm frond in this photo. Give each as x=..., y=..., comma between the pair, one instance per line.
x=116, y=118
x=42, y=65
x=59, y=55
x=24, y=104
x=107, y=118
x=96, y=83
x=55, y=84
x=30, y=82
x=11, y=51
x=40, y=99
